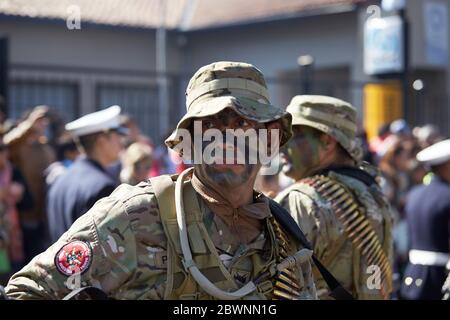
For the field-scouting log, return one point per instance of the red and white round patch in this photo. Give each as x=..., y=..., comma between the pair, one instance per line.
x=74, y=257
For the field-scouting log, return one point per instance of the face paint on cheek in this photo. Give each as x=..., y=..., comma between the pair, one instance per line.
x=233, y=176
x=293, y=158
x=302, y=155
x=227, y=177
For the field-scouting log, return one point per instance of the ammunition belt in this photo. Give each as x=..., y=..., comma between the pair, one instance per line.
x=286, y=284
x=357, y=227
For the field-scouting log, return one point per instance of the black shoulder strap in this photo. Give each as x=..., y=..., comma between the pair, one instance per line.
x=288, y=223
x=352, y=172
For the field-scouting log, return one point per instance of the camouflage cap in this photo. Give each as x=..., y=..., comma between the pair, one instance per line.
x=332, y=116
x=235, y=85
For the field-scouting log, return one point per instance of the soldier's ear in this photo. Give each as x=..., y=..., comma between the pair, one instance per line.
x=328, y=142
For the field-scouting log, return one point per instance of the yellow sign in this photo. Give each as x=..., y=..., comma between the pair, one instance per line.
x=382, y=104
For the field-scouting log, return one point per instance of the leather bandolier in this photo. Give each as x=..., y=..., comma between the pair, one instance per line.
x=181, y=285
x=357, y=226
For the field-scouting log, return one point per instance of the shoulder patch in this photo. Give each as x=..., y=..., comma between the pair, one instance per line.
x=74, y=257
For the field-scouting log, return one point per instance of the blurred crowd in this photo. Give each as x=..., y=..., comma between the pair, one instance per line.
x=394, y=152
x=35, y=151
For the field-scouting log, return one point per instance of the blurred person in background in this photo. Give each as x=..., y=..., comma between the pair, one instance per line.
x=134, y=132
x=376, y=144
x=396, y=181
x=136, y=163
x=55, y=128
x=268, y=184
x=399, y=130
x=417, y=172
x=428, y=217
x=67, y=152
x=177, y=162
x=427, y=135
x=267, y=180
x=13, y=195
x=31, y=154
x=3, y=117
x=394, y=166
x=98, y=136
x=163, y=159
x=368, y=156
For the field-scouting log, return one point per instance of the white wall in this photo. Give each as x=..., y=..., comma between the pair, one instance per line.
x=274, y=48
x=54, y=44
x=335, y=41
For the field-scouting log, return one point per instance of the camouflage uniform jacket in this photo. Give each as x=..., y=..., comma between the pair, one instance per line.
x=326, y=233
x=127, y=258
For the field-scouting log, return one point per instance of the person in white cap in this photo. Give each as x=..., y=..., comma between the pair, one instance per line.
x=428, y=217
x=98, y=136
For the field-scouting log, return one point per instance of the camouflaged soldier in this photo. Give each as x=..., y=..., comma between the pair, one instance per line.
x=209, y=236
x=335, y=200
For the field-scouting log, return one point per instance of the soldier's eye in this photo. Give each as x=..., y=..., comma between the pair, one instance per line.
x=243, y=123
x=208, y=124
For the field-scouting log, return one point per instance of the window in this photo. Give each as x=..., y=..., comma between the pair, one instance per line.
x=139, y=102
x=62, y=98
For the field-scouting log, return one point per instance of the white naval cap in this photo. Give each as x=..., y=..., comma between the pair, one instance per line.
x=436, y=154
x=106, y=119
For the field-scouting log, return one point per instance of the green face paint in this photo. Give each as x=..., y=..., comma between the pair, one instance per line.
x=221, y=175
x=301, y=154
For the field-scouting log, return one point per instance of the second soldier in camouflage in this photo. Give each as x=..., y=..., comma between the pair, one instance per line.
x=336, y=201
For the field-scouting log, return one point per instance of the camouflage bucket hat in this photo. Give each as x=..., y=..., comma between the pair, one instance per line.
x=332, y=116
x=234, y=85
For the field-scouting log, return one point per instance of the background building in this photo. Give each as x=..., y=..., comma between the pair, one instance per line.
x=140, y=54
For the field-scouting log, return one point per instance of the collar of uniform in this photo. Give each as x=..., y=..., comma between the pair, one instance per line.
x=438, y=179
x=246, y=222
x=352, y=172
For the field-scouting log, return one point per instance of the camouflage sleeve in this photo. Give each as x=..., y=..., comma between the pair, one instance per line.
x=309, y=290
x=319, y=226
x=100, y=249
